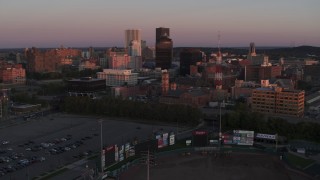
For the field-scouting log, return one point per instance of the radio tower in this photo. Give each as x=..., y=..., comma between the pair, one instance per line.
x=218, y=74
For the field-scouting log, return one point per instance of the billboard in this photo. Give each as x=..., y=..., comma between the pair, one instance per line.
x=171, y=139
x=151, y=145
x=116, y=153
x=266, y=136
x=163, y=140
x=110, y=155
x=200, y=138
x=242, y=137
x=165, y=137
x=188, y=142
x=160, y=140
x=121, y=153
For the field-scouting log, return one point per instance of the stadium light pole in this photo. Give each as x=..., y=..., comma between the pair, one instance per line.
x=220, y=133
x=148, y=166
x=220, y=103
x=101, y=146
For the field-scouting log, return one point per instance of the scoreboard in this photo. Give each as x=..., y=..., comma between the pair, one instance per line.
x=241, y=137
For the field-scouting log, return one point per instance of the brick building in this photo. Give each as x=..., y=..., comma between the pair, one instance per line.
x=50, y=60
x=278, y=101
x=12, y=74
x=256, y=72
x=193, y=97
x=121, y=60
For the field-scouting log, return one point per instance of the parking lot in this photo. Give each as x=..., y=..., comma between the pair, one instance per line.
x=41, y=145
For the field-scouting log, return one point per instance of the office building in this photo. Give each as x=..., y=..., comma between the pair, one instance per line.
x=121, y=60
x=12, y=74
x=50, y=60
x=86, y=86
x=252, y=49
x=164, y=48
x=133, y=41
x=162, y=31
x=278, y=101
x=115, y=77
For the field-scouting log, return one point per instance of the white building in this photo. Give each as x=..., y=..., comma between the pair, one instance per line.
x=133, y=36
x=116, y=77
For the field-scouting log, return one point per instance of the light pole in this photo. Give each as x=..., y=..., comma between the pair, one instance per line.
x=101, y=146
x=220, y=133
x=148, y=166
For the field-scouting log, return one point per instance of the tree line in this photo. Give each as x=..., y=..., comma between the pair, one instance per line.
x=117, y=107
x=242, y=118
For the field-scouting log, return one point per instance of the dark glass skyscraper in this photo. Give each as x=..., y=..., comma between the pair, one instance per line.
x=161, y=31
x=164, y=48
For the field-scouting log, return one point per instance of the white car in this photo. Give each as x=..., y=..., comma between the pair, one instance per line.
x=5, y=142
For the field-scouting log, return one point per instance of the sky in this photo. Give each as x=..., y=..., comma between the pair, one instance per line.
x=197, y=23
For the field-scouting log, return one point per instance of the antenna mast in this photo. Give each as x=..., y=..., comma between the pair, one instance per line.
x=219, y=37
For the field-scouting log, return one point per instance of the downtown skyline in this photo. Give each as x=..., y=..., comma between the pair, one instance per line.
x=80, y=23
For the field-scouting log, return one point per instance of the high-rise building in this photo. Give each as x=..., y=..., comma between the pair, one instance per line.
x=133, y=35
x=134, y=48
x=121, y=60
x=162, y=31
x=252, y=49
x=164, y=48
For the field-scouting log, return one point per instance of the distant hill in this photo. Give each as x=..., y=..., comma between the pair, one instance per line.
x=298, y=52
x=273, y=52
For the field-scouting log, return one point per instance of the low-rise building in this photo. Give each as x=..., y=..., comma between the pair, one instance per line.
x=194, y=97
x=114, y=77
x=85, y=86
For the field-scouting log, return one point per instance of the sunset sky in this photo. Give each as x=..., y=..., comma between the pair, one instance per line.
x=101, y=23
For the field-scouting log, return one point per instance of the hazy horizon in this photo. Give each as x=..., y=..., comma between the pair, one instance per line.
x=98, y=23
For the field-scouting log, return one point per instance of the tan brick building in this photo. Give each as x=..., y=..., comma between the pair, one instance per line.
x=49, y=60
x=278, y=101
x=12, y=74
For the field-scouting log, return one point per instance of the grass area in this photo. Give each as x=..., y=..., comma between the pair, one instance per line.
x=299, y=162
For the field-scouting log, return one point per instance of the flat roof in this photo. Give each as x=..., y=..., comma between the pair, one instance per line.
x=25, y=105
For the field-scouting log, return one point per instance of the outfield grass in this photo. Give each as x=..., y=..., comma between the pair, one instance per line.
x=50, y=175
x=299, y=162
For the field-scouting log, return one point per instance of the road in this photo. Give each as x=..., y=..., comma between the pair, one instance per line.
x=57, y=126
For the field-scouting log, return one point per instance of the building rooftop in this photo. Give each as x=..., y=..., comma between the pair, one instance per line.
x=265, y=89
x=86, y=79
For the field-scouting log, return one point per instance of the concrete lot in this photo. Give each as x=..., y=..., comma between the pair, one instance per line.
x=206, y=167
x=57, y=126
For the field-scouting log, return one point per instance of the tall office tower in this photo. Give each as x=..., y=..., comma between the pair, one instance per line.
x=189, y=57
x=133, y=35
x=161, y=31
x=134, y=48
x=252, y=49
x=164, y=48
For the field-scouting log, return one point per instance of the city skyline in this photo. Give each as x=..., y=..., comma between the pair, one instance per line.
x=101, y=24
